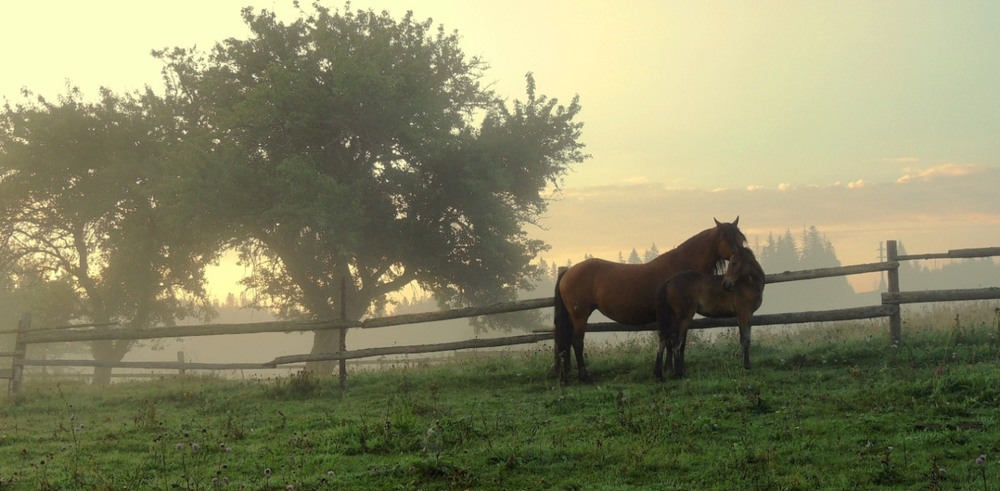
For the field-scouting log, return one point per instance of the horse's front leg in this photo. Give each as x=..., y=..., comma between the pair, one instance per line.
x=744, y=322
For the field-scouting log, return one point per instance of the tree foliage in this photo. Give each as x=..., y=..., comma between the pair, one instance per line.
x=813, y=250
x=346, y=144
x=342, y=153
x=80, y=205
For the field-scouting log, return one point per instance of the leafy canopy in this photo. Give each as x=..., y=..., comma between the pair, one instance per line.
x=346, y=144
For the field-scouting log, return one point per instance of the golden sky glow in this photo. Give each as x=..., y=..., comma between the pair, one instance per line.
x=870, y=120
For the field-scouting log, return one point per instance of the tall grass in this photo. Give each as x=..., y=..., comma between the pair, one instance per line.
x=825, y=407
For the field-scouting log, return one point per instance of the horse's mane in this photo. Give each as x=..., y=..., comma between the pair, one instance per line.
x=758, y=275
x=726, y=232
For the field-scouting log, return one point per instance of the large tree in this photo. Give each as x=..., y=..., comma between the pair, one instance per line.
x=346, y=144
x=86, y=201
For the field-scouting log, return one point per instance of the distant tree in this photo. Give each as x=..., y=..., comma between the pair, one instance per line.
x=651, y=253
x=633, y=257
x=351, y=145
x=814, y=250
x=945, y=274
x=51, y=302
x=781, y=254
x=80, y=202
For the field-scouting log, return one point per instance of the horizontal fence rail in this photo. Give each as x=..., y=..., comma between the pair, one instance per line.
x=941, y=295
x=856, y=313
x=889, y=307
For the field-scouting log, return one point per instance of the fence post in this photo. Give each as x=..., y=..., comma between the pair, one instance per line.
x=343, y=332
x=895, y=320
x=20, y=350
x=180, y=359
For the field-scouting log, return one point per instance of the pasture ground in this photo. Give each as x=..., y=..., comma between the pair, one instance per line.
x=826, y=407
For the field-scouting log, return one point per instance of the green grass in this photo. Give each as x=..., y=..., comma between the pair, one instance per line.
x=831, y=407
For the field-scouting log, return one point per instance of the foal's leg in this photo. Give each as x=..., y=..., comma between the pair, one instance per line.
x=658, y=365
x=680, y=340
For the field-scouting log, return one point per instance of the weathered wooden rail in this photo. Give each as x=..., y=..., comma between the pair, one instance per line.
x=889, y=307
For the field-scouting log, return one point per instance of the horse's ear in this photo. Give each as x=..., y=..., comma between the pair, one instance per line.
x=719, y=224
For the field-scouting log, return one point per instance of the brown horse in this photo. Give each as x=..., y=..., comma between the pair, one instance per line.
x=626, y=292
x=739, y=292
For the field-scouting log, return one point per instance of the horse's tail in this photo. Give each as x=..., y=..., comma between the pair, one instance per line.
x=563, y=324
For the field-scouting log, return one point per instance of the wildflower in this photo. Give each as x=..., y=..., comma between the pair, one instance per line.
x=267, y=472
x=433, y=440
x=179, y=447
x=981, y=460
x=195, y=447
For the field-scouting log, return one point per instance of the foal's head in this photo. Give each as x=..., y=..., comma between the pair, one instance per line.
x=740, y=266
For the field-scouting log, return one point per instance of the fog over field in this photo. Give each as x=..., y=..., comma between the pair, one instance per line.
x=870, y=121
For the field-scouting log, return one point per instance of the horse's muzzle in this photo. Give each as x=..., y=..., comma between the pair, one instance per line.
x=728, y=284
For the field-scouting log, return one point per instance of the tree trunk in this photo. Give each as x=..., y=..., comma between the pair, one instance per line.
x=107, y=351
x=326, y=341
x=335, y=340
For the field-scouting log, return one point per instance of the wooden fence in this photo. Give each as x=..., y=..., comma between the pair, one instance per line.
x=889, y=307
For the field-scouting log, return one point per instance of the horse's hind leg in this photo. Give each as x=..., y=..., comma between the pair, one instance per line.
x=562, y=364
x=581, y=365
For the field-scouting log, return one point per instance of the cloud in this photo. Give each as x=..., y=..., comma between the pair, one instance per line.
x=636, y=180
x=784, y=186
x=933, y=216
x=944, y=170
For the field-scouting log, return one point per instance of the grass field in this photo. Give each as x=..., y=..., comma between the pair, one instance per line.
x=828, y=407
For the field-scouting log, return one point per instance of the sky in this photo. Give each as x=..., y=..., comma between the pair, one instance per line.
x=868, y=120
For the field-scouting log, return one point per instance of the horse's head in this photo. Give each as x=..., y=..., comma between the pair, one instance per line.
x=729, y=239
